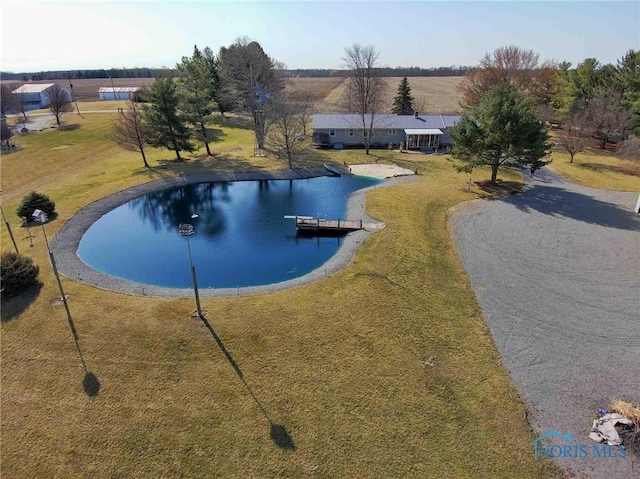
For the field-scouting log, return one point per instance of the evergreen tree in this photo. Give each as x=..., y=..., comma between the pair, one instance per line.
x=165, y=125
x=502, y=130
x=403, y=101
x=197, y=91
x=628, y=77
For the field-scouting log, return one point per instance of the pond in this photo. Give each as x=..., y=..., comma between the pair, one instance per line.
x=241, y=236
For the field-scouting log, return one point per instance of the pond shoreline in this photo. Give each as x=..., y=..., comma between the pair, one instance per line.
x=65, y=244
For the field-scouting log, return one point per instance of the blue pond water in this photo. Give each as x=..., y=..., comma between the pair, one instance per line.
x=241, y=237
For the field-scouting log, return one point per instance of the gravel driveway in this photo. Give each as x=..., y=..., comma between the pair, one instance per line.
x=556, y=270
x=35, y=122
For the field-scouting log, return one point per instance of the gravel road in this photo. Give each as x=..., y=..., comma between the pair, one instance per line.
x=556, y=271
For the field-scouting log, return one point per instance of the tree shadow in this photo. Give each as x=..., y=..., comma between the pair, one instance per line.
x=7, y=150
x=500, y=188
x=31, y=222
x=199, y=165
x=214, y=135
x=278, y=433
x=12, y=307
x=560, y=202
x=70, y=127
x=241, y=122
x=599, y=167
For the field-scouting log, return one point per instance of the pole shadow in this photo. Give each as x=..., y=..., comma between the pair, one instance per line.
x=90, y=382
x=278, y=433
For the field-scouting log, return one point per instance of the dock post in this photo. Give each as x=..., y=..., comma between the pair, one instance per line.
x=338, y=222
x=360, y=224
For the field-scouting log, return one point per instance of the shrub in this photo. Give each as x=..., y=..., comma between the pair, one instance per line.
x=17, y=272
x=35, y=201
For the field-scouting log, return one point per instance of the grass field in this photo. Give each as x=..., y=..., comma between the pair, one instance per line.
x=599, y=169
x=385, y=369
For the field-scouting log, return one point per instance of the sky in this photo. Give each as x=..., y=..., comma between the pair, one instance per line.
x=64, y=35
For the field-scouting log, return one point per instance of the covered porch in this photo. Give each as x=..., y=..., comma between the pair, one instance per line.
x=422, y=138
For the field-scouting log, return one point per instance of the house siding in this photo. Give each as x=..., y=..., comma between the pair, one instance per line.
x=379, y=138
x=322, y=123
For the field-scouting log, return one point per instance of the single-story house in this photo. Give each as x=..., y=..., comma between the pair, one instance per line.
x=120, y=93
x=413, y=132
x=34, y=95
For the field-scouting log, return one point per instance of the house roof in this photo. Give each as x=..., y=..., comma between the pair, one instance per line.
x=119, y=89
x=33, y=88
x=423, y=131
x=347, y=121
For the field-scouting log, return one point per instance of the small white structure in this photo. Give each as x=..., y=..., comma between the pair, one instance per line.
x=34, y=95
x=120, y=93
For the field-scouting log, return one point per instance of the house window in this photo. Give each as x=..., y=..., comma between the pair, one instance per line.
x=392, y=132
x=350, y=132
x=332, y=132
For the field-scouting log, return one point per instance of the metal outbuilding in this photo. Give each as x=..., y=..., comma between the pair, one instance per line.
x=34, y=95
x=120, y=93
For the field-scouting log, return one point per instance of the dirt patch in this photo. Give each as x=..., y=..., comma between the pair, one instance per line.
x=380, y=171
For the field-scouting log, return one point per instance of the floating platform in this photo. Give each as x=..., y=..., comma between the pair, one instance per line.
x=307, y=225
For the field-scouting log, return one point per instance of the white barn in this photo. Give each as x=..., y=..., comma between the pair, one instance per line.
x=34, y=95
x=120, y=93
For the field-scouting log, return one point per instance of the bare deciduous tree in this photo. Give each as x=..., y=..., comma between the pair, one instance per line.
x=509, y=64
x=572, y=136
x=128, y=129
x=8, y=101
x=366, y=87
x=59, y=101
x=286, y=126
x=630, y=149
x=249, y=78
x=305, y=108
x=606, y=118
x=15, y=101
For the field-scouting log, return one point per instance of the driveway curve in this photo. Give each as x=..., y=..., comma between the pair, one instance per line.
x=556, y=271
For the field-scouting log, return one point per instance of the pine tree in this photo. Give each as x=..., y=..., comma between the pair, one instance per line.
x=403, y=102
x=196, y=92
x=165, y=125
x=502, y=130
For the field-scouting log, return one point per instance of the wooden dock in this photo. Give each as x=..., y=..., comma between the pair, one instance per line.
x=319, y=226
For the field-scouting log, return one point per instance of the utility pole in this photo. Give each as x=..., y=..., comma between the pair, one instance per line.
x=41, y=216
x=10, y=233
x=73, y=97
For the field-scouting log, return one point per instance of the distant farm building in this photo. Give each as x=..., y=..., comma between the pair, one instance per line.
x=120, y=93
x=34, y=95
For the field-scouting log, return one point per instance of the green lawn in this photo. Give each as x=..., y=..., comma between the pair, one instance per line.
x=598, y=169
x=386, y=369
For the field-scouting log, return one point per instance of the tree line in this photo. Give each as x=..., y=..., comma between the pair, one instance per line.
x=511, y=96
x=413, y=71
x=139, y=72
x=87, y=74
